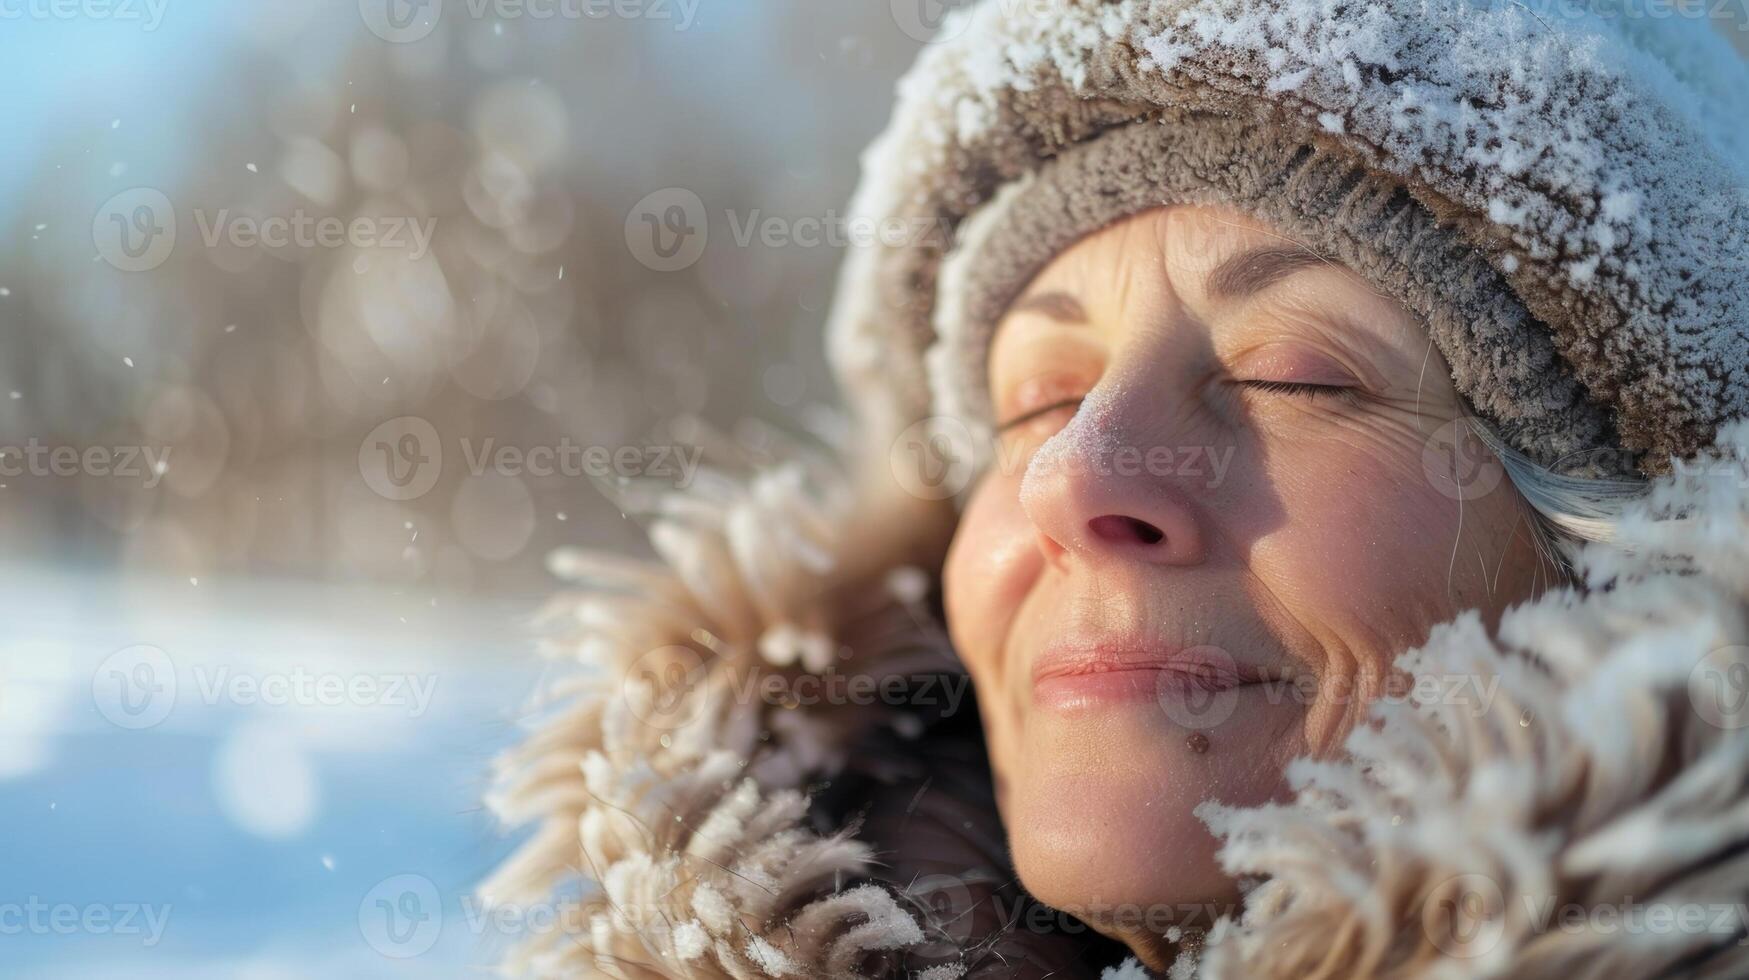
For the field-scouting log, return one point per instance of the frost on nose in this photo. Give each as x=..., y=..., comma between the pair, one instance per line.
x=1077, y=447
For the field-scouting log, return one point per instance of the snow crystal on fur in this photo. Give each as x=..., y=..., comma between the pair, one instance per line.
x=667, y=795
x=1128, y=970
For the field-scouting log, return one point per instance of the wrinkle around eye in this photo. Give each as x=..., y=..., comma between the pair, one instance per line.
x=1379, y=348
x=1043, y=385
x=1030, y=416
x=1298, y=363
x=1034, y=355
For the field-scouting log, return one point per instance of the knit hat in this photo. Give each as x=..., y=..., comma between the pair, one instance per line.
x=1558, y=196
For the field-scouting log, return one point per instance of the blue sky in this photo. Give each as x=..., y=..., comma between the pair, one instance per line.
x=152, y=66
x=68, y=77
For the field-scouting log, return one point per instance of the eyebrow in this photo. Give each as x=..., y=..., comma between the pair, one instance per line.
x=1249, y=273
x=1059, y=306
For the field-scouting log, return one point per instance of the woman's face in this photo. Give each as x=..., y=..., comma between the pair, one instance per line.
x=1227, y=495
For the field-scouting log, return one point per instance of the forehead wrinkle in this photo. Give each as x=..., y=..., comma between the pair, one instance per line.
x=1253, y=235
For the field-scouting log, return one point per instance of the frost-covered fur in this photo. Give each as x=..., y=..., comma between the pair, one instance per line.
x=662, y=788
x=1607, y=777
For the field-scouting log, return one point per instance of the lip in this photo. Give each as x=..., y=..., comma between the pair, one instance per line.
x=1109, y=673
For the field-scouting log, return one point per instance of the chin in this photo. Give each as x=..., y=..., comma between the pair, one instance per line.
x=1101, y=814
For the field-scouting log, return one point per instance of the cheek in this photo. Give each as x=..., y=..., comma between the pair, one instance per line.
x=1369, y=554
x=990, y=569
x=1359, y=523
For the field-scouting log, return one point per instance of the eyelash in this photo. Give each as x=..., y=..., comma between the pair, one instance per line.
x=1026, y=417
x=1306, y=389
x=1301, y=388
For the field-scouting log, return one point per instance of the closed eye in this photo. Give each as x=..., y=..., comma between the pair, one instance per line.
x=1302, y=388
x=1037, y=413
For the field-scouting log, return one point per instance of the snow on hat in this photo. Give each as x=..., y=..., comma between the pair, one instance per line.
x=1559, y=195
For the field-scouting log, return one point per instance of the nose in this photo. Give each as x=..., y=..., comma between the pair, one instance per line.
x=1086, y=502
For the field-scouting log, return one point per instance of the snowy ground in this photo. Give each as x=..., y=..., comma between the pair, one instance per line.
x=247, y=781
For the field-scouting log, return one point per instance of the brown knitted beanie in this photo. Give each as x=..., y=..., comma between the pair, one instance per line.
x=1502, y=360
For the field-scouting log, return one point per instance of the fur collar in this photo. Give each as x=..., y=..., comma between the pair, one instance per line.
x=1589, y=818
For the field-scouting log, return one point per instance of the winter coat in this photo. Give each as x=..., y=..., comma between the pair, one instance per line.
x=757, y=764
x=1607, y=782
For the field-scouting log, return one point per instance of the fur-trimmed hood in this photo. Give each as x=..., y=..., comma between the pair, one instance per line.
x=743, y=728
